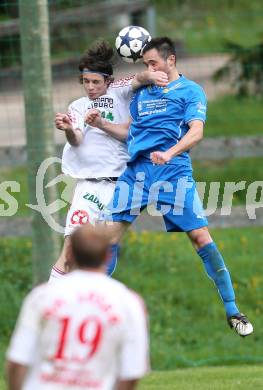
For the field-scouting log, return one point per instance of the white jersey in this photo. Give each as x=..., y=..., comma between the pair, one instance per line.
x=99, y=154
x=83, y=332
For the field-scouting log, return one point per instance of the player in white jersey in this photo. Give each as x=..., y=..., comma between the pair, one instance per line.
x=93, y=157
x=87, y=331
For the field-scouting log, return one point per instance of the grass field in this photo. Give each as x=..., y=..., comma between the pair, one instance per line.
x=188, y=326
x=231, y=116
x=212, y=378
x=205, y=378
x=187, y=320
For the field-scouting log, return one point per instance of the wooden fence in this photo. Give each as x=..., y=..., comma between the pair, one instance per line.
x=79, y=15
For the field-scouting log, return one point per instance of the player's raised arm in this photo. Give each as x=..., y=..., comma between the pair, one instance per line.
x=149, y=77
x=190, y=139
x=63, y=122
x=118, y=131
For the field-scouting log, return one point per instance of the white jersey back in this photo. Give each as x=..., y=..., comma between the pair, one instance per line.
x=83, y=332
x=99, y=155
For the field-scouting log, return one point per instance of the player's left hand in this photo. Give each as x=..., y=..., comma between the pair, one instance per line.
x=93, y=118
x=160, y=158
x=158, y=78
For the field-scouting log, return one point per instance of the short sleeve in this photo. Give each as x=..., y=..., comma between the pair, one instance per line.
x=134, y=362
x=196, y=105
x=25, y=336
x=123, y=88
x=76, y=117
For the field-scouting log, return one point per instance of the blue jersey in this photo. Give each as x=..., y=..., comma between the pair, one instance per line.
x=160, y=117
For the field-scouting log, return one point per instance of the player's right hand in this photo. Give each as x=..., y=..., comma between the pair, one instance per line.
x=63, y=122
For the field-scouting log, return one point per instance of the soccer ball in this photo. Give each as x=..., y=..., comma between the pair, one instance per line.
x=130, y=42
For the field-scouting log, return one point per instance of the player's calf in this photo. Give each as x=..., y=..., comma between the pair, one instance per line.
x=113, y=260
x=217, y=271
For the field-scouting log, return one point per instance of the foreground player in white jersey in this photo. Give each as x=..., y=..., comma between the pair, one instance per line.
x=93, y=157
x=87, y=331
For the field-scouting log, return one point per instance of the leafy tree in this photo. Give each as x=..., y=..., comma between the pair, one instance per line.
x=244, y=69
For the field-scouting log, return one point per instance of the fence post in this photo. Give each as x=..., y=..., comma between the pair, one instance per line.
x=36, y=69
x=151, y=20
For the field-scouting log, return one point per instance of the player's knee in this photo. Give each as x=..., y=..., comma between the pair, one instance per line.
x=116, y=231
x=200, y=237
x=61, y=262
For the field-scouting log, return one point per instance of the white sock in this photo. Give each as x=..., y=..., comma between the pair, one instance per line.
x=55, y=274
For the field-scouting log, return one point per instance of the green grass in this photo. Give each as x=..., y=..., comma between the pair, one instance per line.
x=233, y=170
x=206, y=378
x=15, y=276
x=16, y=281
x=212, y=378
x=202, y=26
x=187, y=319
x=19, y=175
x=230, y=116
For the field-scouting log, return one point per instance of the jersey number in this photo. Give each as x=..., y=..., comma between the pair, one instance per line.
x=88, y=332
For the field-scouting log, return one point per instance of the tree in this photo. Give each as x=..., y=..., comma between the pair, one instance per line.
x=244, y=69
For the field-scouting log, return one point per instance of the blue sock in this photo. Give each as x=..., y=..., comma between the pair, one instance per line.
x=217, y=271
x=112, y=263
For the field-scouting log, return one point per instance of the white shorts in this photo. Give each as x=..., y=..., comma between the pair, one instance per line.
x=89, y=202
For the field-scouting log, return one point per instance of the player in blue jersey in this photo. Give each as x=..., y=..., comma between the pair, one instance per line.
x=166, y=123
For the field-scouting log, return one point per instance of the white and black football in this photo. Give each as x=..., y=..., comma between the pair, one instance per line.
x=130, y=42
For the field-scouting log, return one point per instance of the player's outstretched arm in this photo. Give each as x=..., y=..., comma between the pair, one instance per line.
x=118, y=131
x=191, y=138
x=63, y=122
x=149, y=77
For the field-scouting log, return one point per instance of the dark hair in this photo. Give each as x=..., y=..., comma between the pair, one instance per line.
x=98, y=58
x=89, y=246
x=165, y=46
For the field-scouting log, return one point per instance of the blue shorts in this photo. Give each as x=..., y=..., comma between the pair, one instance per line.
x=170, y=188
